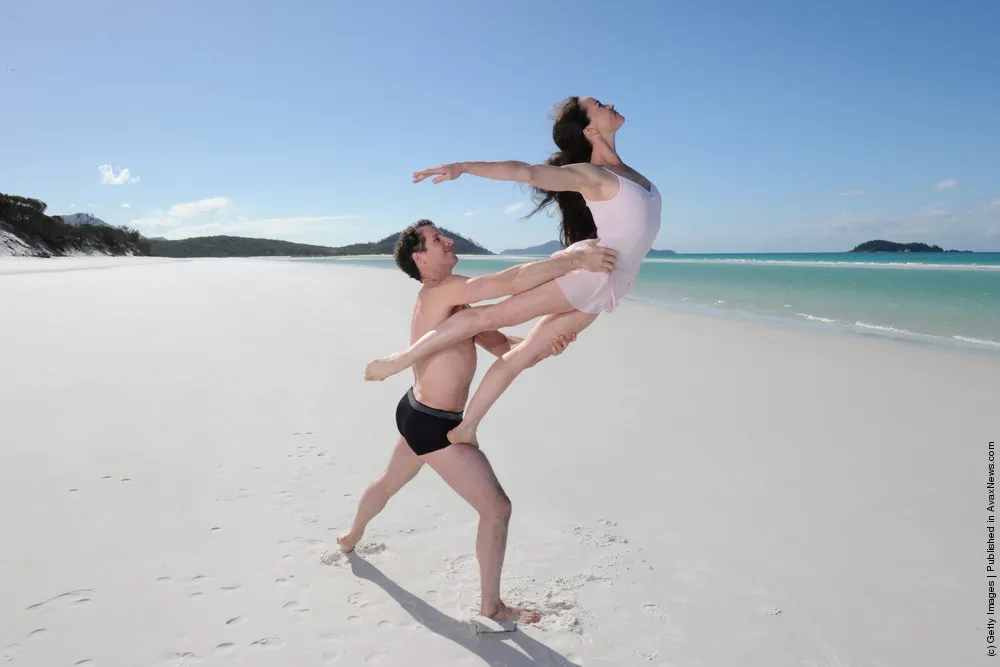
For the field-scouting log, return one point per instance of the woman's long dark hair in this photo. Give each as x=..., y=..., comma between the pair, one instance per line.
x=567, y=131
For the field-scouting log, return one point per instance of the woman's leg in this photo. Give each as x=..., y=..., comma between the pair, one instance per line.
x=546, y=299
x=534, y=348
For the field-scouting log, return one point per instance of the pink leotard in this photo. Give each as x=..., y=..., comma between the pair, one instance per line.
x=627, y=223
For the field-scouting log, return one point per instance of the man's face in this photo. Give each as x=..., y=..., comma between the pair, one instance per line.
x=437, y=253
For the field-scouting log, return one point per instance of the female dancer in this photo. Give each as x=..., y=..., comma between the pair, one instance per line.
x=600, y=197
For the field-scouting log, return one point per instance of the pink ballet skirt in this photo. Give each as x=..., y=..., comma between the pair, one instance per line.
x=590, y=291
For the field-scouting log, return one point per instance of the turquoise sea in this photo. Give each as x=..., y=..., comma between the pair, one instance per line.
x=950, y=299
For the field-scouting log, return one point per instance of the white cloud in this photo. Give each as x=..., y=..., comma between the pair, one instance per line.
x=126, y=205
x=947, y=184
x=108, y=176
x=931, y=224
x=74, y=205
x=995, y=202
x=178, y=213
x=469, y=214
x=853, y=192
x=209, y=217
x=514, y=208
x=934, y=213
x=196, y=208
x=262, y=226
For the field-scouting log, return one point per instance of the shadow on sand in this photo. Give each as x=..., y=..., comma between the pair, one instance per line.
x=494, y=650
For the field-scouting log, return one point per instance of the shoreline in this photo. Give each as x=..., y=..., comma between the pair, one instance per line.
x=798, y=321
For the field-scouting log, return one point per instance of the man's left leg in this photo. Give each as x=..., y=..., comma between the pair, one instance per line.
x=403, y=466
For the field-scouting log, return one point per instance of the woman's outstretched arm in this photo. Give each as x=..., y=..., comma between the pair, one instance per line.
x=571, y=177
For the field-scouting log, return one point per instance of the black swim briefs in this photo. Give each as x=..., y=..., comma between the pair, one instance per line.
x=425, y=428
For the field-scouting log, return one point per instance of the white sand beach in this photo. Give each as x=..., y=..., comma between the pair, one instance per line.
x=182, y=440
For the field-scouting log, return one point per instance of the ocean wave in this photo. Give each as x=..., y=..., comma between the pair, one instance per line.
x=859, y=327
x=887, y=329
x=845, y=264
x=816, y=318
x=903, y=333
x=977, y=341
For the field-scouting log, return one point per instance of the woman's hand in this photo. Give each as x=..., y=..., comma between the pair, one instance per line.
x=445, y=172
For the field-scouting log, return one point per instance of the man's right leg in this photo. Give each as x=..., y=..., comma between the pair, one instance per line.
x=403, y=466
x=466, y=469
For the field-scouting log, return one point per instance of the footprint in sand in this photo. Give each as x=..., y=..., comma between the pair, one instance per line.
x=78, y=596
x=126, y=479
x=653, y=610
x=37, y=633
x=268, y=642
x=337, y=557
x=196, y=595
x=215, y=529
x=234, y=621
x=227, y=590
x=85, y=661
x=354, y=619
x=163, y=580
x=376, y=658
x=224, y=647
x=386, y=625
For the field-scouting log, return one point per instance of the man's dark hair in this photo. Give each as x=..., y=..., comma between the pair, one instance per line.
x=410, y=240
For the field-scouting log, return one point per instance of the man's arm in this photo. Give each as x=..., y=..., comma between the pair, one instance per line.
x=494, y=342
x=499, y=344
x=460, y=290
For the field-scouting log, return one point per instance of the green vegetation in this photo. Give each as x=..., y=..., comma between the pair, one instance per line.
x=237, y=246
x=879, y=245
x=25, y=218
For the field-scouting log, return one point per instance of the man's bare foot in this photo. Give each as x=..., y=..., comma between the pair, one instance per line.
x=512, y=614
x=380, y=369
x=347, y=542
x=463, y=435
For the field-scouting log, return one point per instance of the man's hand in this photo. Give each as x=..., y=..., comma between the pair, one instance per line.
x=593, y=257
x=560, y=344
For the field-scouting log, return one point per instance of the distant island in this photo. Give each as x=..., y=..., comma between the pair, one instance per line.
x=238, y=246
x=25, y=229
x=879, y=245
x=552, y=246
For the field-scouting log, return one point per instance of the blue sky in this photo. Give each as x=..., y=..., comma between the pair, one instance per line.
x=767, y=125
